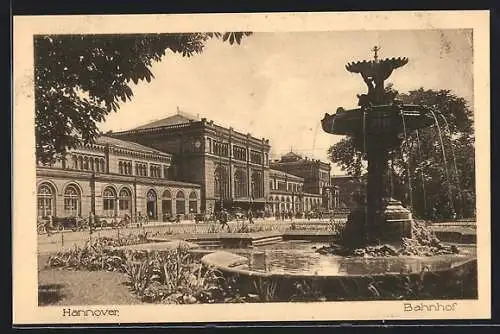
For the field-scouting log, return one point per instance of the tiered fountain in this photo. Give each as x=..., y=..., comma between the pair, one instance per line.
x=378, y=127
x=382, y=231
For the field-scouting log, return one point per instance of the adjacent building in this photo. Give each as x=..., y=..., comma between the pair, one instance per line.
x=315, y=174
x=347, y=186
x=286, y=193
x=114, y=178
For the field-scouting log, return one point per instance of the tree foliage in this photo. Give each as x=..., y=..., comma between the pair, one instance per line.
x=438, y=182
x=80, y=79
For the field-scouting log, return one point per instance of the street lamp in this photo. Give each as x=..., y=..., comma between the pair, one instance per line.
x=252, y=196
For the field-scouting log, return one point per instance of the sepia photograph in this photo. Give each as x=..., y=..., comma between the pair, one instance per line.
x=267, y=167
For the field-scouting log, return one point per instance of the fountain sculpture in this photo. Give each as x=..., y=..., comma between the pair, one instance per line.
x=380, y=238
x=378, y=127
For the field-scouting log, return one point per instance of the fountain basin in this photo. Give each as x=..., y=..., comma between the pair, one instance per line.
x=380, y=119
x=303, y=262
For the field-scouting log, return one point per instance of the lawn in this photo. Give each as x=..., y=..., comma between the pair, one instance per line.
x=65, y=287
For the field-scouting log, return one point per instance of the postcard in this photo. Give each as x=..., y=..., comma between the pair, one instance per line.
x=251, y=167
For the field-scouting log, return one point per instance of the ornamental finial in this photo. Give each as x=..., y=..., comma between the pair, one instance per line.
x=375, y=50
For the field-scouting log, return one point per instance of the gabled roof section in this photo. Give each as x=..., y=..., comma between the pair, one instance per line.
x=179, y=118
x=105, y=140
x=291, y=156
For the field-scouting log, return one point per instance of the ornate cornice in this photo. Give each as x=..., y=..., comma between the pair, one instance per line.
x=68, y=173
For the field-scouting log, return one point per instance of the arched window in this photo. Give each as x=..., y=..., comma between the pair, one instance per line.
x=46, y=199
x=91, y=161
x=240, y=183
x=221, y=183
x=151, y=204
x=109, y=201
x=124, y=200
x=257, y=191
x=72, y=201
x=166, y=204
x=101, y=161
x=193, y=202
x=75, y=162
x=180, y=203
x=86, y=163
x=120, y=167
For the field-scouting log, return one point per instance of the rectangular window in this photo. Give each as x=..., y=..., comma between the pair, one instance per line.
x=125, y=167
x=239, y=153
x=154, y=171
x=141, y=169
x=256, y=157
x=221, y=149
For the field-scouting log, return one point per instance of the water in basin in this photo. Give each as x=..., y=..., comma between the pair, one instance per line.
x=301, y=258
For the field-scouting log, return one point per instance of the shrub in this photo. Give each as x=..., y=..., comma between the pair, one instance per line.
x=97, y=254
x=173, y=277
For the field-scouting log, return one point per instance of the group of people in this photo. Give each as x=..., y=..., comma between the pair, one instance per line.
x=283, y=215
x=224, y=215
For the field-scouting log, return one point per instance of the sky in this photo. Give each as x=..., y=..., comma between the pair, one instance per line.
x=279, y=85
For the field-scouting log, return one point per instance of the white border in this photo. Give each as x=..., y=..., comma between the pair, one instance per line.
x=25, y=309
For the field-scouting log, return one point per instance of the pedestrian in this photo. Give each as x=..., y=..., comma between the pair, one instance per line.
x=223, y=219
x=250, y=216
x=141, y=219
x=49, y=225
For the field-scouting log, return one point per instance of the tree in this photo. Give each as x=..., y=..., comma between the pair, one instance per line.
x=433, y=175
x=80, y=79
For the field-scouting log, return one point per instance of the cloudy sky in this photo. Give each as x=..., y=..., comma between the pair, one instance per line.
x=280, y=85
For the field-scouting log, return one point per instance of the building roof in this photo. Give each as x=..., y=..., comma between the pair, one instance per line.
x=179, y=118
x=105, y=140
x=291, y=156
x=285, y=175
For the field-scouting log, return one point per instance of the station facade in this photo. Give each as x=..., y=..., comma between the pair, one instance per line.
x=180, y=165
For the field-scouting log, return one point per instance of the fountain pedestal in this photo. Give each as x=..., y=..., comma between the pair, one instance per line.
x=397, y=222
x=378, y=127
x=394, y=222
